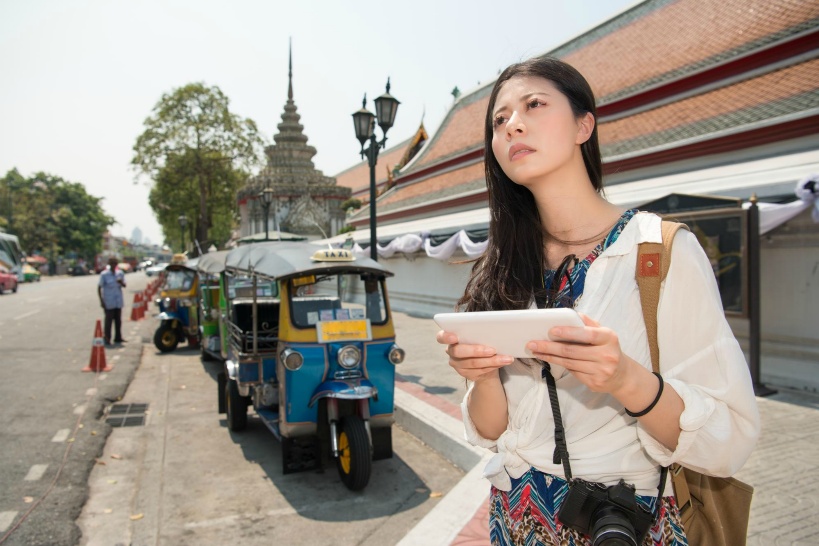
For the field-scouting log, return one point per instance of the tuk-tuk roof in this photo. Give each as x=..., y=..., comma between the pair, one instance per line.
x=280, y=260
x=212, y=263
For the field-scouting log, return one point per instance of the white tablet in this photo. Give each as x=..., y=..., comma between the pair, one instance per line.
x=507, y=332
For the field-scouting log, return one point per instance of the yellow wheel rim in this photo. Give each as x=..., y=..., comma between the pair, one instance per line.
x=344, y=452
x=168, y=338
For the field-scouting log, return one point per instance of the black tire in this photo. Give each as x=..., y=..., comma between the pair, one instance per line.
x=166, y=338
x=236, y=406
x=14, y=290
x=354, y=454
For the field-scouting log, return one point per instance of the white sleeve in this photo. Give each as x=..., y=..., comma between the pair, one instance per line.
x=470, y=431
x=702, y=361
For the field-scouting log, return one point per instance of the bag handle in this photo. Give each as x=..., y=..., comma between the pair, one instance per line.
x=653, y=262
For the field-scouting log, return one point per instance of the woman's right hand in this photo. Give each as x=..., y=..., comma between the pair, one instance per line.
x=473, y=362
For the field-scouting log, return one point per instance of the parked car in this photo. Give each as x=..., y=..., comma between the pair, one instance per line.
x=78, y=269
x=8, y=280
x=30, y=274
x=156, y=269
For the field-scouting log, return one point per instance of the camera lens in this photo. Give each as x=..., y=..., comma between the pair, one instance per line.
x=612, y=528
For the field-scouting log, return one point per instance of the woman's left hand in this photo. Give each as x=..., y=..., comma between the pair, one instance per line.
x=591, y=353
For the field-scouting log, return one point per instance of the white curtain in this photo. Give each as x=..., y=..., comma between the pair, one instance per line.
x=770, y=216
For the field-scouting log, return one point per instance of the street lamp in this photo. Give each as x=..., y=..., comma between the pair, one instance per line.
x=183, y=221
x=266, y=195
x=386, y=107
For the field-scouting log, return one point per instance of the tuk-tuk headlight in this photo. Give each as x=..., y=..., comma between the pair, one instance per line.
x=397, y=354
x=292, y=359
x=349, y=357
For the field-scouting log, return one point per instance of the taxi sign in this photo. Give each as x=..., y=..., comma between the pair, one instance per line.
x=344, y=330
x=333, y=255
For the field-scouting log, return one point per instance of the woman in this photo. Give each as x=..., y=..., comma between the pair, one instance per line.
x=544, y=176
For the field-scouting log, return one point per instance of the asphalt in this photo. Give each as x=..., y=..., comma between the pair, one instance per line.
x=783, y=468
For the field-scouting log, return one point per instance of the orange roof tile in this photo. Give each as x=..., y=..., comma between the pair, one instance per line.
x=684, y=33
x=461, y=131
x=434, y=185
x=745, y=102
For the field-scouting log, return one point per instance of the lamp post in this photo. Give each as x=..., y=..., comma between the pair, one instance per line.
x=266, y=195
x=183, y=221
x=386, y=107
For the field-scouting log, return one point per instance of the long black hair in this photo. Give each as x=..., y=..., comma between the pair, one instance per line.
x=510, y=272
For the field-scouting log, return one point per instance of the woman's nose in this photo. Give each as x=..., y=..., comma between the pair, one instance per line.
x=515, y=124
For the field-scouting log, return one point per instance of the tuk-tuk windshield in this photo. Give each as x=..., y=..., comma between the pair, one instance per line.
x=337, y=297
x=179, y=279
x=242, y=287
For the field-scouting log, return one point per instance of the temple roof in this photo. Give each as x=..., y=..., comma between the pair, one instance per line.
x=389, y=162
x=674, y=79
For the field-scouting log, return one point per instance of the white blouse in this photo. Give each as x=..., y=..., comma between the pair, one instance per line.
x=699, y=358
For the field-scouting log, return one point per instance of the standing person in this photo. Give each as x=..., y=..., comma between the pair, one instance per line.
x=555, y=241
x=109, y=288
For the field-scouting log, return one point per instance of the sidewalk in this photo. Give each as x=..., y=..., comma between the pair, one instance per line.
x=783, y=469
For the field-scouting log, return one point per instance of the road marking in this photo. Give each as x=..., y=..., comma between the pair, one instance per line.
x=35, y=472
x=115, y=357
x=6, y=519
x=26, y=315
x=62, y=435
x=36, y=299
x=91, y=392
x=79, y=410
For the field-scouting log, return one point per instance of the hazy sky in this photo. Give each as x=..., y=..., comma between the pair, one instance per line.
x=79, y=77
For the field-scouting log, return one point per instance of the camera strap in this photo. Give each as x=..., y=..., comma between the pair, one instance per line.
x=561, y=454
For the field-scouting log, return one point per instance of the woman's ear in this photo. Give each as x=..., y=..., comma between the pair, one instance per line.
x=585, y=127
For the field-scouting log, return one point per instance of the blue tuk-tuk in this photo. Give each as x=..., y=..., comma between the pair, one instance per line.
x=178, y=306
x=311, y=346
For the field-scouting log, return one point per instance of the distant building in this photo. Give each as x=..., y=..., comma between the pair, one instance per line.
x=305, y=201
x=136, y=236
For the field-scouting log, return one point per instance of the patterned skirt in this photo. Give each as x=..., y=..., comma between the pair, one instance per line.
x=526, y=515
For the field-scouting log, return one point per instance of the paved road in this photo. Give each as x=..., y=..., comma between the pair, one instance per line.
x=49, y=431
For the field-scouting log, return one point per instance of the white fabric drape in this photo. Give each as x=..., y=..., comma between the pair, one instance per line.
x=412, y=243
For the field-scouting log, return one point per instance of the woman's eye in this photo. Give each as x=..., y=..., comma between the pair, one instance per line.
x=534, y=103
x=499, y=120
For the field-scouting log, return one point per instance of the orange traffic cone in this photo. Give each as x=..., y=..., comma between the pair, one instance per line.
x=143, y=310
x=136, y=308
x=97, y=362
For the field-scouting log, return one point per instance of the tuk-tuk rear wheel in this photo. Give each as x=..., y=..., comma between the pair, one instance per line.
x=236, y=406
x=354, y=457
x=166, y=338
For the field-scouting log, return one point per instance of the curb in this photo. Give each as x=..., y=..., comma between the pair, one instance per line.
x=444, y=434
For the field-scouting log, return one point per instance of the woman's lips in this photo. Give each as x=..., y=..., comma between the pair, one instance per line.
x=519, y=150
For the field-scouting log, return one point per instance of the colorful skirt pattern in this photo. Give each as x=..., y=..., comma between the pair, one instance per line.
x=527, y=515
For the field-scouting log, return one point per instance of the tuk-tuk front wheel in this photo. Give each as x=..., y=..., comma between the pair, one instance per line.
x=236, y=406
x=354, y=458
x=166, y=338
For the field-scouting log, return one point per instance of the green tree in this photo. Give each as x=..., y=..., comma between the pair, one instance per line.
x=176, y=191
x=53, y=216
x=197, y=154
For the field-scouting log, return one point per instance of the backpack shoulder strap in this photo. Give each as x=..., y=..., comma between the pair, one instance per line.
x=653, y=261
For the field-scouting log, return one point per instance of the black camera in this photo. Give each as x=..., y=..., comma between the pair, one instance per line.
x=609, y=515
